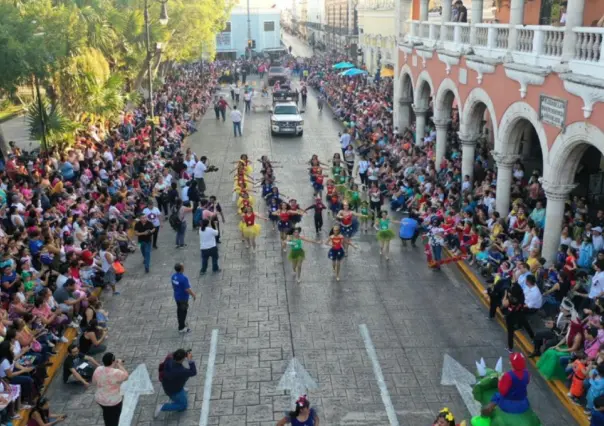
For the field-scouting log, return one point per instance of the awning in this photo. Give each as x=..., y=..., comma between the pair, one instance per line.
x=387, y=72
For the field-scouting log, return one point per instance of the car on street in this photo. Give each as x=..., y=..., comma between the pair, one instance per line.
x=277, y=73
x=286, y=119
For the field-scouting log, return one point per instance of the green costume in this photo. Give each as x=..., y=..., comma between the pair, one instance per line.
x=384, y=231
x=297, y=252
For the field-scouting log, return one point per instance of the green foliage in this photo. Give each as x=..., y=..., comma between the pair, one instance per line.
x=58, y=128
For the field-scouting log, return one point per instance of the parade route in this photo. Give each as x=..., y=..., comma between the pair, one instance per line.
x=252, y=318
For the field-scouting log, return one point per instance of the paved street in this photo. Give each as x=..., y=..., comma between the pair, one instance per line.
x=263, y=318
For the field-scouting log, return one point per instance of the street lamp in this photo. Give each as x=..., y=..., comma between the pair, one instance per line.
x=163, y=20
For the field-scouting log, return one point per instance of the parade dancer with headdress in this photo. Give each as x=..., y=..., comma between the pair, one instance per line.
x=303, y=415
x=349, y=224
x=296, y=254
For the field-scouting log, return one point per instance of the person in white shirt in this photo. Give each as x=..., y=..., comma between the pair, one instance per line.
x=596, y=239
x=153, y=214
x=345, y=140
x=532, y=295
x=237, y=93
x=247, y=97
x=232, y=89
x=207, y=244
x=597, y=281
x=199, y=173
x=236, y=118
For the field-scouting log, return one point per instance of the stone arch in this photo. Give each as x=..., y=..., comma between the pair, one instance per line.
x=477, y=102
x=568, y=149
x=511, y=128
x=405, y=82
x=443, y=103
x=424, y=90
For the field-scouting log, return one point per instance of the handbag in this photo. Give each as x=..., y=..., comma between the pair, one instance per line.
x=118, y=268
x=36, y=346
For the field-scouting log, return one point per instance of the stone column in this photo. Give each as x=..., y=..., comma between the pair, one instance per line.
x=445, y=17
x=423, y=10
x=505, y=162
x=554, y=216
x=574, y=18
x=404, y=15
x=404, y=113
x=441, y=141
x=516, y=18
x=477, y=6
x=468, y=153
x=420, y=125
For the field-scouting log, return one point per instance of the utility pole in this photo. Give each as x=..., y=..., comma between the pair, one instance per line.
x=249, y=29
x=150, y=75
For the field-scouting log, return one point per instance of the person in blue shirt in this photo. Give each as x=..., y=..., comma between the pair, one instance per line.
x=409, y=229
x=182, y=292
x=175, y=376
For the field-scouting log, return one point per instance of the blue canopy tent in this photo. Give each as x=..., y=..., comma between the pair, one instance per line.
x=352, y=72
x=343, y=66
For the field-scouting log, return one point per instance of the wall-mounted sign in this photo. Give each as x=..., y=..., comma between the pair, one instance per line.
x=552, y=111
x=223, y=40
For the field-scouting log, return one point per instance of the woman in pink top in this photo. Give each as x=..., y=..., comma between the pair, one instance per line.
x=108, y=380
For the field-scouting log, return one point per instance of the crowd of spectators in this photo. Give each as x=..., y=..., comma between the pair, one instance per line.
x=67, y=220
x=505, y=251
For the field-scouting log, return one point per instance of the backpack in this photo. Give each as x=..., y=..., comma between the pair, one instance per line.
x=174, y=220
x=162, y=366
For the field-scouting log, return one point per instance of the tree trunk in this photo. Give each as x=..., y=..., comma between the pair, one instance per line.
x=3, y=144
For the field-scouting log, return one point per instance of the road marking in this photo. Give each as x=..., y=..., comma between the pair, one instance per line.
x=139, y=383
x=455, y=374
x=377, y=371
x=207, y=387
x=242, y=122
x=296, y=380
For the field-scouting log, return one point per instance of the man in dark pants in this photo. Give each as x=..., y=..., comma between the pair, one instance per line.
x=207, y=243
x=182, y=292
x=515, y=314
x=318, y=207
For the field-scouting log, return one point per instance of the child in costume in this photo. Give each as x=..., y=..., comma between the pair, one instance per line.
x=296, y=254
x=249, y=228
x=366, y=216
x=384, y=233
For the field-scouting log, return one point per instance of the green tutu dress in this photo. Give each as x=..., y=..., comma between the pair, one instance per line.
x=297, y=252
x=354, y=199
x=549, y=364
x=384, y=232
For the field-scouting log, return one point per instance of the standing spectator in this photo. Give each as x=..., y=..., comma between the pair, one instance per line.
x=436, y=240
x=222, y=106
x=247, y=97
x=232, y=90
x=107, y=380
x=181, y=228
x=462, y=12
x=237, y=93
x=345, y=141
x=199, y=172
x=175, y=376
x=207, y=243
x=182, y=292
x=153, y=214
x=144, y=230
x=107, y=259
x=515, y=315
x=217, y=107
x=236, y=118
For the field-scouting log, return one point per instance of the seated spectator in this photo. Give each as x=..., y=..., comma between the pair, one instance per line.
x=78, y=368
x=92, y=338
x=42, y=416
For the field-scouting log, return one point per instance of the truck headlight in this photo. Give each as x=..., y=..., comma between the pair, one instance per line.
x=301, y=123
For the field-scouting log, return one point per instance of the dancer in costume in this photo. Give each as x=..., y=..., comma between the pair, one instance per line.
x=303, y=415
x=366, y=217
x=285, y=221
x=333, y=198
x=318, y=207
x=384, y=233
x=249, y=228
x=296, y=254
x=353, y=196
x=294, y=206
x=336, y=252
x=318, y=184
x=512, y=397
x=445, y=418
x=245, y=200
x=349, y=223
x=273, y=207
x=245, y=163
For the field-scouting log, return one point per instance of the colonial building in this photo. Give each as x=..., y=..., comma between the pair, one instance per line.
x=537, y=89
x=377, y=34
x=342, y=26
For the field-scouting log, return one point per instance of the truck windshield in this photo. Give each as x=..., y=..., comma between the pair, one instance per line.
x=286, y=109
x=277, y=70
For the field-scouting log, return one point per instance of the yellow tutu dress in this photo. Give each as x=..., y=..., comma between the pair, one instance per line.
x=241, y=201
x=248, y=227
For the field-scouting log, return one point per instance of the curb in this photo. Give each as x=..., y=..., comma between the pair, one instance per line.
x=556, y=386
x=57, y=362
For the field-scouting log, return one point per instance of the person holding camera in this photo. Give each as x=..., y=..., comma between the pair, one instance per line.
x=173, y=378
x=107, y=380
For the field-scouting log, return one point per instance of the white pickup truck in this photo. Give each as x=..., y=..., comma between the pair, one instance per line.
x=286, y=119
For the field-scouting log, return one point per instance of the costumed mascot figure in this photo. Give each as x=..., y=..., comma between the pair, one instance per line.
x=504, y=396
